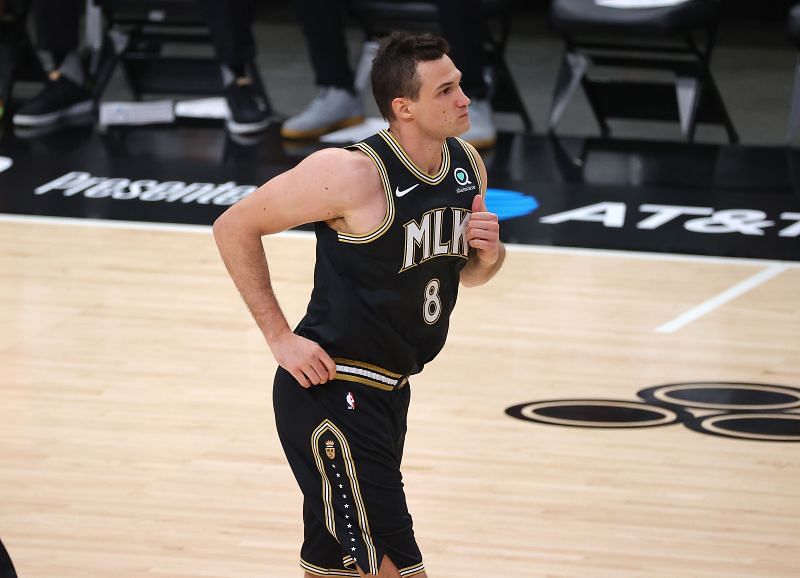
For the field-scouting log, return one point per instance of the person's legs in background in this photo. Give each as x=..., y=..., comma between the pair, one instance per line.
x=65, y=93
x=6, y=64
x=230, y=24
x=461, y=22
x=336, y=105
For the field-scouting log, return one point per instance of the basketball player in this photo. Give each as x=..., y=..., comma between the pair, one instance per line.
x=400, y=220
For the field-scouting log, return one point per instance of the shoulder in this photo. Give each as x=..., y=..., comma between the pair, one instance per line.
x=344, y=176
x=336, y=162
x=339, y=164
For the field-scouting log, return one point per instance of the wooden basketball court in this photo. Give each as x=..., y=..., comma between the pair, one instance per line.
x=138, y=437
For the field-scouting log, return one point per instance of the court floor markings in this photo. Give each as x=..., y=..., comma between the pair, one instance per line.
x=580, y=251
x=773, y=269
x=721, y=299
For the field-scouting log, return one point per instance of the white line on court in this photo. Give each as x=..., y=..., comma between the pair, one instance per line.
x=130, y=225
x=722, y=298
x=206, y=229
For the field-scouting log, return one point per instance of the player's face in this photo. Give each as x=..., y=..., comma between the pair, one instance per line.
x=441, y=109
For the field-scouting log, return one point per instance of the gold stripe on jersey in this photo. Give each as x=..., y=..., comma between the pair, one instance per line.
x=320, y=571
x=368, y=374
x=327, y=491
x=412, y=570
x=364, y=381
x=370, y=382
x=348, y=561
x=473, y=162
x=361, y=511
x=365, y=365
x=411, y=166
x=387, y=190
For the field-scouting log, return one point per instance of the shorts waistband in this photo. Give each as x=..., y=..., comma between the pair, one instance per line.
x=369, y=374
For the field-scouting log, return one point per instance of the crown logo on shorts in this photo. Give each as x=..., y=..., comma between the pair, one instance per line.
x=330, y=451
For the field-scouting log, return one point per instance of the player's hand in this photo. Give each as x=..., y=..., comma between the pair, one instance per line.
x=308, y=363
x=483, y=232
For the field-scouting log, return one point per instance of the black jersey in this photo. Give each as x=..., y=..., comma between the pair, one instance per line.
x=381, y=301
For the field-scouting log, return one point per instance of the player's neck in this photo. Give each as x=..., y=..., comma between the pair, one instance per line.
x=424, y=151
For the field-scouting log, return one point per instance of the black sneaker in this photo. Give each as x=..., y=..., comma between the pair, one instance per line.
x=249, y=111
x=60, y=98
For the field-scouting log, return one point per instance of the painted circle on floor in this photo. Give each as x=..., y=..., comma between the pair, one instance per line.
x=773, y=427
x=595, y=413
x=711, y=395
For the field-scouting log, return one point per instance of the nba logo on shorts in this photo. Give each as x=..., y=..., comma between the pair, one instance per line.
x=351, y=401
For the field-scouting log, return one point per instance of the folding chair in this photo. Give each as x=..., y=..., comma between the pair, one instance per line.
x=601, y=33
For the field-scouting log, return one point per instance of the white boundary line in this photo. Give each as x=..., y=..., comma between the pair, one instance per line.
x=104, y=223
x=648, y=255
x=206, y=229
x=719, y=300
x=132, y=225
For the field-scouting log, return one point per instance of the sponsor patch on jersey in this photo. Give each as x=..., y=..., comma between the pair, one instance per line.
x=462, y=180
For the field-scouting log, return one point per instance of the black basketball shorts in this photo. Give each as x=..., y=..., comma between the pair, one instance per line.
x=344, y=442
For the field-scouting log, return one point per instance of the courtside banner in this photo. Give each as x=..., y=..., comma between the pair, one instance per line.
x=128, y=182
x=675, y=198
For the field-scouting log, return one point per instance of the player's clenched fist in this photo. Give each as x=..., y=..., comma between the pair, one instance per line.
x=483, y=231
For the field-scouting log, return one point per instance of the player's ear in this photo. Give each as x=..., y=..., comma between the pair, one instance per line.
x=401, y=108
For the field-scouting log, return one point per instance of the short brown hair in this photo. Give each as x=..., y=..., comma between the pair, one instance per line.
x=394, y=69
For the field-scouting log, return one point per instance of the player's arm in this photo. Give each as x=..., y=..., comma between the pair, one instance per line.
x=309, y=192
x=486, y=253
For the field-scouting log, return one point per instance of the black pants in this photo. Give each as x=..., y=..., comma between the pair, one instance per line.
x=323, y=27
x=57, y=23
x=344, y=443
x=57, y=27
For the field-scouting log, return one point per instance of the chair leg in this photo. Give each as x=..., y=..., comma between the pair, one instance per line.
x=713, y=92
x=794, y=113
x=6, y=74
x=688, y=93
x=692, y=88
x=105, y=61
x=570, y=166
x=503, y=89
x=573, y=69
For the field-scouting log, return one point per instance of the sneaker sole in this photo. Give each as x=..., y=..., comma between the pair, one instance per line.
x=76, y=109
x=245, y=128
x=309, y=134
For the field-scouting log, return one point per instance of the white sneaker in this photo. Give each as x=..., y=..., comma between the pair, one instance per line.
x=332, y=109
x=482, y=132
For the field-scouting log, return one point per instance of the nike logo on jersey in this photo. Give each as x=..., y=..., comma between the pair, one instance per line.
x=400, y=193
